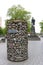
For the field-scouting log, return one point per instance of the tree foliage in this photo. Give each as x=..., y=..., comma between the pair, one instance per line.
x=29, y=26
x=1, y=31
x=41, y=26
x=4, y=31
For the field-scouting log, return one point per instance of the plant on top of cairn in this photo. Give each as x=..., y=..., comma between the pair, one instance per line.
x=19, y=13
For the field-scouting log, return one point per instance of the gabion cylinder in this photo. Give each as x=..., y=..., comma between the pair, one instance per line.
x=17, y=40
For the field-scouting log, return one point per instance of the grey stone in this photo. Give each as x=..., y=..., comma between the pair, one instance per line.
x=12, y=31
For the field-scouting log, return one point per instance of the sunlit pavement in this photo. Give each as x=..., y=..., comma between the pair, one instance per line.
x=35, y=54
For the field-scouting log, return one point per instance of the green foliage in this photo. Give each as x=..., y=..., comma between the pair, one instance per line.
x=19, y=13
x=29, y=26
x=1, y=31
x=4, y=31
x=41, y=26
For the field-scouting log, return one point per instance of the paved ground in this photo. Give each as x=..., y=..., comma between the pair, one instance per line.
x=35, y=53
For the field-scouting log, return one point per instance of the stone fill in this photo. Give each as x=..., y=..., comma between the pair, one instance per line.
x=17, y=40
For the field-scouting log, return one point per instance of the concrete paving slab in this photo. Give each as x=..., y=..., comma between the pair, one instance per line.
x=35, y=54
